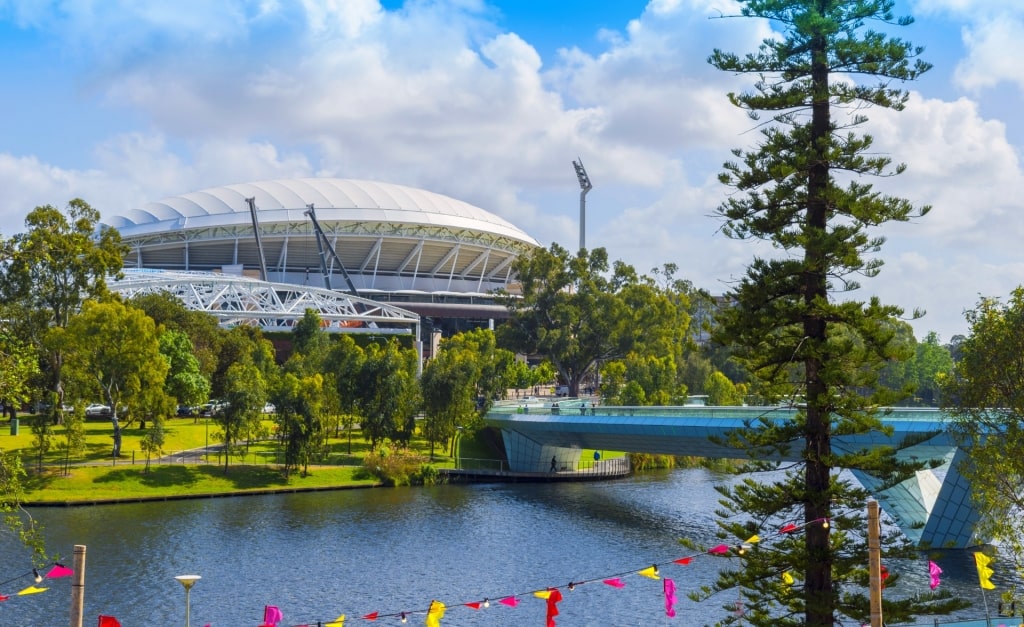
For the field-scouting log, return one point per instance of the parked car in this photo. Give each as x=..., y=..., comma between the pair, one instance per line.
x=97, y=410
x=269, y=408
x=187, y=411
x=561, y=390
x=212, y=407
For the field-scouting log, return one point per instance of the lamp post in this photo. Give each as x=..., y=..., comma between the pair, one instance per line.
x=188, y=581
x=458, y=447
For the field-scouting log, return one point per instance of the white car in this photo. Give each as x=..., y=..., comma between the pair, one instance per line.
x=97, y=410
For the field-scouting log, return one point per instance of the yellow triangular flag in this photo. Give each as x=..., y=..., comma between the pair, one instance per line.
x=754, y=539
x=435, y=614
x=32, y=590
x=542, y=594
x=650, y=571
x=338, y=622
x=981, y=561
x=787, y=578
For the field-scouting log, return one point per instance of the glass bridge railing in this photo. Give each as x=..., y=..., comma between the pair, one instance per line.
x=586, y=407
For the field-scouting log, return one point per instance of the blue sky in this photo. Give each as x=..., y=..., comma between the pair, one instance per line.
x=123, y=102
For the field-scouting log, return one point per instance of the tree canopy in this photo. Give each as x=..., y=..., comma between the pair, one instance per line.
x=50, y=269
x=579, y=311
x=791, y=321
x=985, y=395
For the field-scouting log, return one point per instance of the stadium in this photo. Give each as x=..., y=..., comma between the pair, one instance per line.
x=366, y=246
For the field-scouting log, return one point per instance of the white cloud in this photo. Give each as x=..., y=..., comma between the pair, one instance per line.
x=435, y=95
x=995, y=47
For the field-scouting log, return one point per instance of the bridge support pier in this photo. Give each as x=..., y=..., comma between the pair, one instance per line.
x=525, y=454
x=933, y=508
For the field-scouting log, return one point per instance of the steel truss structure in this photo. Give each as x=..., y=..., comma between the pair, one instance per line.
x=240, y=300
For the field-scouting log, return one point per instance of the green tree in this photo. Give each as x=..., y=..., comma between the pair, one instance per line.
x=458, y=384
x=153, y=442
x=245, y=394
x=345, y=361
x=800, y=189
x=113, y=350
x=185, y=382
x=388, y=394
x=449, y=396
x=48, y=271
x=201, y=328
x=985, y=396
x=308, y=336
x=301, y=403
x=721, y=391
x=932, y=364
x=16, y=518
x=574, y=313
x=17, y=366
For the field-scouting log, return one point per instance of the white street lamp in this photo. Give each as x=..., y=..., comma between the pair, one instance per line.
x=188, y=581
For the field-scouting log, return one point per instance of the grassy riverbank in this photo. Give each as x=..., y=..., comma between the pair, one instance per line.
x=94, y=475
x=84, y=484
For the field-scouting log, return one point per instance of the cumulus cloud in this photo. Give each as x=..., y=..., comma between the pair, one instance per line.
x=436, y=95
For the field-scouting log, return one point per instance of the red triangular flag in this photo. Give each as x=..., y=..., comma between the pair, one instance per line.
x=372, y=616
x=109, y=621
x=788, y=528
x=475, y=605
x=683, y=560
x=553, y=600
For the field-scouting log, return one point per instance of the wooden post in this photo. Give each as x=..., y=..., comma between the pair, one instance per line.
x=78, y=587
x=875, y=564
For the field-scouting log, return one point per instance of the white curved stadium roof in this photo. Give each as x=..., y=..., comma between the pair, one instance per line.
x=334, y=199
x=387, y=237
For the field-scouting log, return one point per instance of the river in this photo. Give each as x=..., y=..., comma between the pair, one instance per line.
x=354, y=552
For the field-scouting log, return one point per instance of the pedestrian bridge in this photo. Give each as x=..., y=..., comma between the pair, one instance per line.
x=933, y=508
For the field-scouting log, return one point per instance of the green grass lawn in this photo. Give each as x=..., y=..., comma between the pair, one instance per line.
x=92, y=483
x=95, y=475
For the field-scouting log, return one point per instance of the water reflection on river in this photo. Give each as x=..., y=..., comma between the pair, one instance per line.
x=318, y=555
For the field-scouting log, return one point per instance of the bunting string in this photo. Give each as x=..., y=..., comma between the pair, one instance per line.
x=552, y=595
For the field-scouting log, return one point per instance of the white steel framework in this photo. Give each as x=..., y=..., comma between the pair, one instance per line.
x=240, y=300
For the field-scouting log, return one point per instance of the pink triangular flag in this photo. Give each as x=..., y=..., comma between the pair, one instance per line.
x=615, y=582
x=933, y=573
x=721, y=549
x=59, y=570
x=272, y=615
x=509, y=601
x=670, y=597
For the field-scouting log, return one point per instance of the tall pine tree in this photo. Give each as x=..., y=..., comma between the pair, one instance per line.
x=792, y=321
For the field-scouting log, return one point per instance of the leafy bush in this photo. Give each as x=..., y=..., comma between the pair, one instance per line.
x=398, y=468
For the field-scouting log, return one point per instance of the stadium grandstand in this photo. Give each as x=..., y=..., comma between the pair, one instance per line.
x=384, y=247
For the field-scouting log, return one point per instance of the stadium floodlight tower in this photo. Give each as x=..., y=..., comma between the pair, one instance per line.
x=585, y=186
